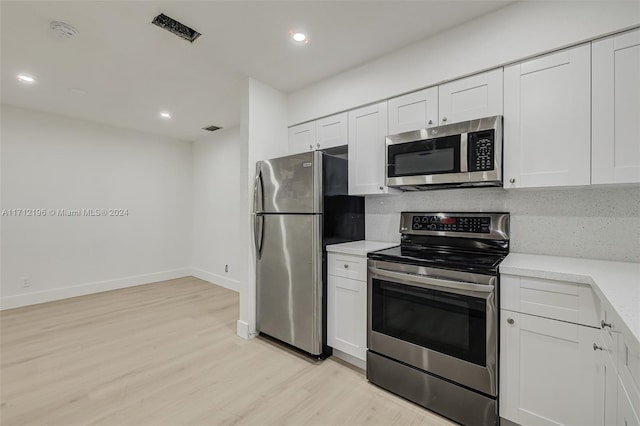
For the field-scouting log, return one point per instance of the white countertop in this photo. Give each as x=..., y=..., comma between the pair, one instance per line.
x=359, y=248
x=616, y=283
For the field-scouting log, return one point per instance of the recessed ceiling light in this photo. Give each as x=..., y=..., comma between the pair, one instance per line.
x=25, y=78
x=165, y=115
x=299, y=37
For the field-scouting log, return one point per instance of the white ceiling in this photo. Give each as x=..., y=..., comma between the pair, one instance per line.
x=131, y=69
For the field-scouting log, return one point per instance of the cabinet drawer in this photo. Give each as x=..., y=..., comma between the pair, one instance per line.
x=559, y=300
x=347, y=266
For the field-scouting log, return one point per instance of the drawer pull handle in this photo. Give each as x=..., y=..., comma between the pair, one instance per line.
x=346, y=266
x=605, y=324
x=510, y=321
x=597, y=348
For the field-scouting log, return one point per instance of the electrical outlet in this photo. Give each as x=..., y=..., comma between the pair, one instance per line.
x=25, y=282
x=226, y=268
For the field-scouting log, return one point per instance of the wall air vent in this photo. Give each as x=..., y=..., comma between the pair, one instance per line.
x=211, y=128
x=178, y=28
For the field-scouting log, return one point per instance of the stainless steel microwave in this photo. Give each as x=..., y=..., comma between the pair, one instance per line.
x=459, y=154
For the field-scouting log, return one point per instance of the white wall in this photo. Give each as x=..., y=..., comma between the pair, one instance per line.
x=217, y=190
x=264, y=135
x=597, y=222
x=519, y=30
x=54, y=162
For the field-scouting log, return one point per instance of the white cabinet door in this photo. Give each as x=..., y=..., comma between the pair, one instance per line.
x=331, y=131
x=627, y=416
x=346, y=316
x=616, y=109
x=549, y=372
x=413, y=111
x=609, y=377
x=367, y=132
x=302, y=138
x=547, y=120
x=469, y=98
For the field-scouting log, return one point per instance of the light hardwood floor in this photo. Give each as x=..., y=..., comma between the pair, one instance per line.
x=167, y=354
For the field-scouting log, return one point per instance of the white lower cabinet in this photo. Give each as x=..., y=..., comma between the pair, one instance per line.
x=347, y=304
x=550, y=373
x=564, y=359
x=627, y=416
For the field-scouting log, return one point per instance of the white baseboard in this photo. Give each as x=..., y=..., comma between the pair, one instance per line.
x=243, y=329
x=34, y=298
x=220, y=280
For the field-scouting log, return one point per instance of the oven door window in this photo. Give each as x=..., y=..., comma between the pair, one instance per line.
x=426, y=157
x=445, y=322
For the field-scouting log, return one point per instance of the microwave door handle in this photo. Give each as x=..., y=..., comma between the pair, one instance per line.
x=464, y=157
x=429, y=282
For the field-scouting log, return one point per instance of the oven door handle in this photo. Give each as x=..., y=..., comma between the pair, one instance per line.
x=425, y=281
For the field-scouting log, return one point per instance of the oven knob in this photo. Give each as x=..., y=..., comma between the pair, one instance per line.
x=510, y=321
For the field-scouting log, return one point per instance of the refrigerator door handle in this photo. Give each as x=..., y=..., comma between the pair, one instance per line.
x=258, y=192
x=258, y=233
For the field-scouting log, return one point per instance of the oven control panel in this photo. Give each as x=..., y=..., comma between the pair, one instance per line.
x=470, y=224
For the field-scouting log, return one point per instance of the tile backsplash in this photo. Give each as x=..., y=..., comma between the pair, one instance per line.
x=597, y=222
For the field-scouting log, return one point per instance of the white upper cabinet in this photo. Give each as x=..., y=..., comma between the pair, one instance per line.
x=302, y=138
x=331, y=131
x=367, y=133
x=324, y=133
x=547, y=120
x=616, y=109
x=413, y=111
x=470, y=98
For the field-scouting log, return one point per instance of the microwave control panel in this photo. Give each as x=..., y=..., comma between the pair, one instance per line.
x=481, y=150
x=475, y=225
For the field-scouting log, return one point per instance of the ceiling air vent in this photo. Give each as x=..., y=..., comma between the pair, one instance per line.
x=178, y=28
x=211, y=128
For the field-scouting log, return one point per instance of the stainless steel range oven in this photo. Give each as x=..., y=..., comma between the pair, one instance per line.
x=433, y=313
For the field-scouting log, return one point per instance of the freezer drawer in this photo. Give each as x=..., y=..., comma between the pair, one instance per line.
x=289, y=279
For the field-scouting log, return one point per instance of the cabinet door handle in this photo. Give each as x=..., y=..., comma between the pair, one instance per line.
x=597, y=348
x=510, y=321
x=318, y=145
x=310, y=147
x=605, y=324
x=430, y=122
x=382, y=188
x=444, y=119
x=346, y=266
x=512, y=180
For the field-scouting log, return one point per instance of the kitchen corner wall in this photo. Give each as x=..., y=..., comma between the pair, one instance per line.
x=598, y=222
x=217, y=254
x=55, y=162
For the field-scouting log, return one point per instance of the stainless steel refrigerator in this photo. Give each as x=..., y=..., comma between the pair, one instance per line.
x=300, y=206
